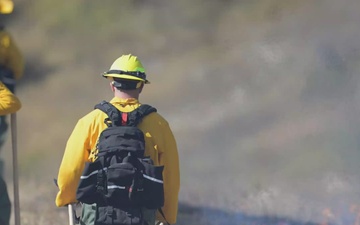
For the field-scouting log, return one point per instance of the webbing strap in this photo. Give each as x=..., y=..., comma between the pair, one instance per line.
x=136, y=116
x=110, y=110
x=130, y=119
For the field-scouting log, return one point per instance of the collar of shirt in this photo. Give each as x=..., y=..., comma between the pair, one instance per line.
x=125, y=105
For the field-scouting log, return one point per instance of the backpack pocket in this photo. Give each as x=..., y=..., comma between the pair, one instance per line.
x=87, y=191
x=153, y=187
x=108, y=215
x=118, y=185
x=119, y=180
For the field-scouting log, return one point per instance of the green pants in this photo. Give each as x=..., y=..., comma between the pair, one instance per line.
x=88, y=215
x=5, y=205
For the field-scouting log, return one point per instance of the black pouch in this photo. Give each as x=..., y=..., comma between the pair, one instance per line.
x=87, y=191
x=153, y=197
x=136, y=190
x=108, y=215
x=120, y=176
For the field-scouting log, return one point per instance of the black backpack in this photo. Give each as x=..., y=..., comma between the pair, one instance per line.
x=121, y=181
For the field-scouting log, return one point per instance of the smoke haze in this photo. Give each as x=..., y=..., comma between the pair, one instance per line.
x=262, y=96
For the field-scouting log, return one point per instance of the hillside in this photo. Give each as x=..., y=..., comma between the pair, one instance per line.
x=263, y=97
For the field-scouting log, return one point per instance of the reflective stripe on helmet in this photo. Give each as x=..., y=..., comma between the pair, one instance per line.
x=127, y=67
x=138, y=74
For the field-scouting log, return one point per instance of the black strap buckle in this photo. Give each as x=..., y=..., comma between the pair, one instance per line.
x=101, y=182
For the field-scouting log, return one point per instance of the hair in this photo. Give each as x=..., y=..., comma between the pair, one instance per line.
x=125, y=84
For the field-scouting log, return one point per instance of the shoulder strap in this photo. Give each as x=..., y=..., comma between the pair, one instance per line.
x=113, y=113
x=133, y=118
x=136, y=116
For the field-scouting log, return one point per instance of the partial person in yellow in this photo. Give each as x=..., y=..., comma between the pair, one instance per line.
x=11, y=69
x=11, y=58
x=9, y=103
x=11, y=66
x=11, y=63
x=127, y=79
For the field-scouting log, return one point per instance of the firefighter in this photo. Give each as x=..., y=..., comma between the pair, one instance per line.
x=127, y=79
x=11, y=66
x=11, y=70
x=9, y=103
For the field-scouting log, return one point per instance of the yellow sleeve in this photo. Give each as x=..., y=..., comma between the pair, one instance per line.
x=9, y=103
x=73, y=162
x=169, y=157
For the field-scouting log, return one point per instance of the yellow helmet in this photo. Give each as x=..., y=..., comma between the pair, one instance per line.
x=127, y=67
x=6, y=6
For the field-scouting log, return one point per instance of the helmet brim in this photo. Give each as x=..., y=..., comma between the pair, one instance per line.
x=124, y=76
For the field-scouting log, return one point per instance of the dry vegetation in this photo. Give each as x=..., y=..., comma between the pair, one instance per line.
x=262, y=95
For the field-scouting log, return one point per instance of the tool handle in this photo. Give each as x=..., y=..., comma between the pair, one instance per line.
x=71, y=209
x=15, y=169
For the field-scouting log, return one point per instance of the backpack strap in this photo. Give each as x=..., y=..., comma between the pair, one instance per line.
x=136, y=116
x=113, y=113
x=119, y=118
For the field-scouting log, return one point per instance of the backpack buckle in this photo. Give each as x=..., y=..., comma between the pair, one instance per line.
x=108, y=122
x=101, y=182
x=136, y=190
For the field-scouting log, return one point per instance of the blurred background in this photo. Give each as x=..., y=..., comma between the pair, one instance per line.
x=262, y=95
